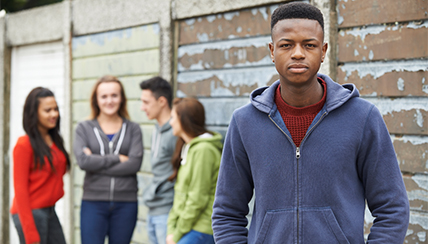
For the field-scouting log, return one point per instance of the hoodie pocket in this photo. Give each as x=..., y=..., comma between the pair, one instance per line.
x=320, y=225
x=278, y=227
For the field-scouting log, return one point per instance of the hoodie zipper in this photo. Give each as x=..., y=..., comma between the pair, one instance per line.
x=297, y=163
x=110, y=145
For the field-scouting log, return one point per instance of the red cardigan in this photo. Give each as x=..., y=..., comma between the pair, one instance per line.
x=35, y=188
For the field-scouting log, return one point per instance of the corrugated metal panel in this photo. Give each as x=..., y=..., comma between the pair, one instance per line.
x=131, y=54
x=385, y=54
x=32, y=66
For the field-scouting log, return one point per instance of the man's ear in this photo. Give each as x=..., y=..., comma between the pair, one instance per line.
x=163, y=101
x=271, y=49
x=324, y=51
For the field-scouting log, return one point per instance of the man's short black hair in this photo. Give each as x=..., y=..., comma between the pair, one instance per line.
x=159, y=87
x=296, y=10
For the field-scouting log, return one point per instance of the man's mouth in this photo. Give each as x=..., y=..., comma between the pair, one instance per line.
x=298, y=68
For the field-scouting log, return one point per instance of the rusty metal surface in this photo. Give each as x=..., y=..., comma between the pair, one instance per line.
x=366, y=12
x=381, y=42
x=238, y=24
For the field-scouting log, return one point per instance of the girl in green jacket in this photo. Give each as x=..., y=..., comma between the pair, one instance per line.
x=196, y=163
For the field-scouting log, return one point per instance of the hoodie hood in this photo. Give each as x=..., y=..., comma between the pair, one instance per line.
x=263, y=98
x=215, y=140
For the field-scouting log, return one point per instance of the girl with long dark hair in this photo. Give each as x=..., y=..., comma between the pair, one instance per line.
x=109, y=148
x=39, y=164
x=196, y=162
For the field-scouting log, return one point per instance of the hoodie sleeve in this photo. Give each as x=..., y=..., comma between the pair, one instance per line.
x=234, y=190
x=93, y=162
x=136, y=150
x=200, y=188
x=385, y=191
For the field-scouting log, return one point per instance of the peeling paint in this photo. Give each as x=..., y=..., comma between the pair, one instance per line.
x=231, y=77
x=229, y=16
x=418, y=195
x=190, y=21
x=422, y=236
x=356, y=52
x=220, y=91
x=364, y=31
x=211, y=18
x=414, y=140
x=419, y=219
x=379, y=68
x=419, y=118
x=388, y=106
x=224, y=45
x=421, y=181
x=203, y=37
x=400, y=84
x=417, y=25
x=371, y=54
x=263, y=11
x=424, y=87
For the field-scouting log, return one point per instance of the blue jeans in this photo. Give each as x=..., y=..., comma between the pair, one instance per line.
x=99, y=219
x=156, y=228
x=47, y=225
x=195, y=237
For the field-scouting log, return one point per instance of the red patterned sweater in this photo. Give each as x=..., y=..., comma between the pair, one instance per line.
x=298, y=120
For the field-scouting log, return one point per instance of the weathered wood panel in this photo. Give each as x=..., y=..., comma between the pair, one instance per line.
x=238, y=24
x=364, y=12
x=404, y=115
x=412, y=153
x=225, y=54
x=125, y=40
x=226, y=82
x=390, y=84
x=392, y=78
x=381, y=42
x=417, y=191
x=412, y=122
x=418, y=228
x=123, y=64
x=218, y=111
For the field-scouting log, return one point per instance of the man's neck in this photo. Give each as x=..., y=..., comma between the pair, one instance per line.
x=164, y=116
x=302, y=96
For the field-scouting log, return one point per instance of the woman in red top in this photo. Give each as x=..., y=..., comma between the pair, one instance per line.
x=39, y=163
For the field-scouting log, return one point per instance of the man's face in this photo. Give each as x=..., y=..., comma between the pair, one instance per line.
x=297, y=49
x=150, y=104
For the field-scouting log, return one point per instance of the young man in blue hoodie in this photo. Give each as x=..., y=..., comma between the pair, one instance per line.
x=311, y=151
x=156, y=98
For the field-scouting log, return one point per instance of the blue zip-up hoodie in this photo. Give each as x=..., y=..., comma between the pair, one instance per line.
x=315, y=193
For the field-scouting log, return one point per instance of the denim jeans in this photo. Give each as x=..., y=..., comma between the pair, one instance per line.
x=195, y=237
x=47, y=225
x=99, y=219
x=156, y=228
